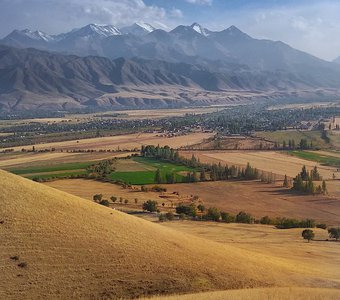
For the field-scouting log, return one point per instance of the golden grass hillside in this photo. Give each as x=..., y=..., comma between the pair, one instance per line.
x=54, y=245
x=261, y=294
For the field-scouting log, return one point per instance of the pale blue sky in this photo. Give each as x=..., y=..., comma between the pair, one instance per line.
x=309, y=25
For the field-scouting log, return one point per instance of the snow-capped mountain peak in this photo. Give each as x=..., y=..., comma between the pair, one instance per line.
x=95, y=30
x=145, y=26
x=34, y=35
x=198, y=28
x=138, y=28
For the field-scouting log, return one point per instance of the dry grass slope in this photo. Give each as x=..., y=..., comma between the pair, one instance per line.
x=260, y=294
x=77, y=249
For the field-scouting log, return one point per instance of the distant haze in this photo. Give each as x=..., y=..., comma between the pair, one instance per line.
x=309, y=25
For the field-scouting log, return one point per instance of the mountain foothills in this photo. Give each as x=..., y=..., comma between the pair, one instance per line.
x=138, y=65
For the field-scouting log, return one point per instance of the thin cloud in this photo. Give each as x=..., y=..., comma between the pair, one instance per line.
x=200, y=2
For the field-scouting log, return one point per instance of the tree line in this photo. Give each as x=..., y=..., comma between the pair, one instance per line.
x=200, y=171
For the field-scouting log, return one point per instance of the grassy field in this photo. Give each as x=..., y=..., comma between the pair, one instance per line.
x=51, y=169
x=90, y=251
x=319, y=256
x=321, y=158
x=148, y=177
x=286, y=135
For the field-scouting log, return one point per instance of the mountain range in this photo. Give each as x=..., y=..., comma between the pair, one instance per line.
x=139, y=65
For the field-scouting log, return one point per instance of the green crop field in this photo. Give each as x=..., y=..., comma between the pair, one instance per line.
x=53, y=168
x=148, y=177
x=56, y=175
x=320, y=158
x=127, y=175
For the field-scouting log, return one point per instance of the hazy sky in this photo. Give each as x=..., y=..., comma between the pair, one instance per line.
x=309, y=25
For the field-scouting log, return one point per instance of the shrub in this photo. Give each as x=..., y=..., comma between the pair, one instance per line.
x=170, y=216
x=182, y=216
x=228, y=218
x=105, y=203
x=201, y=207
x=126, y=201
x=162, y=218
x=243, y=217
x=213, y=214
x=158, y=189
x=22, y=265
x=322, y=226
x=189, y=210
x=266, y=220
x=113, y=199
x=150, y=206
x=97, y=197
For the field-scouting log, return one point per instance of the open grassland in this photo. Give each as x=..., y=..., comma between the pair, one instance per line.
x=286, y=135
x=321, y=256
x=261, y=294
x=121, y=142
x=319, y=157
x=270, y=161
x=55, y=245
x=256, y=198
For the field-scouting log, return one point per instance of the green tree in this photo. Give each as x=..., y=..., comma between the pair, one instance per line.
x=203, y=176
x=158, y=177
x=150, y=205
x=334, y=233
x=243, y=217
x=213, y=214
x=315, y=174
x=97, y=197
x=113, y=199
x=170, y=216
x=226, y=217
x=324, y=187
x=266, y=220
x=304, y=173
x=285, y=182
x=201, y=207
x=308, y=234
x=162, y=218
x=170, y=178
x=189, y=210
x=105, y=203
